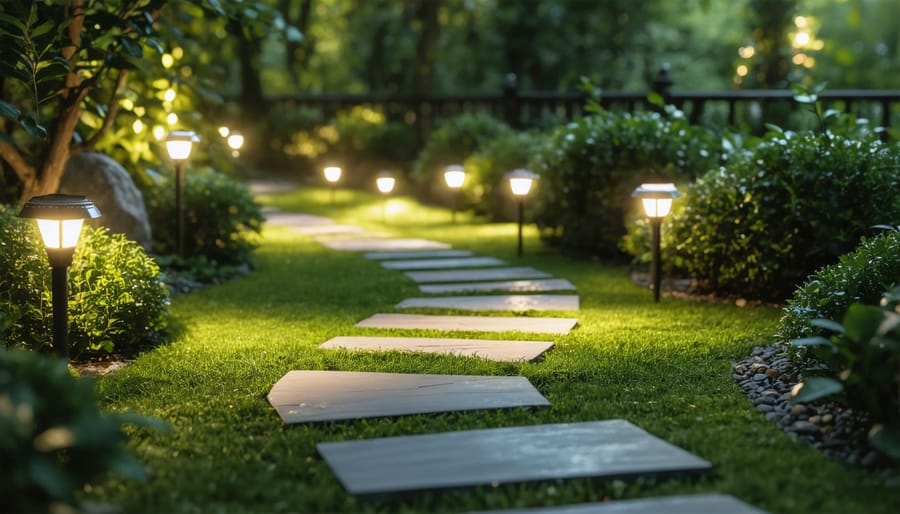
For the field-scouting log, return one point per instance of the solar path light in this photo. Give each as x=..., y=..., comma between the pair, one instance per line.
x=332, y=176
x=454, y=176
x=657, y=202
x=520, y=182
x=179, y=144
x=385, y=183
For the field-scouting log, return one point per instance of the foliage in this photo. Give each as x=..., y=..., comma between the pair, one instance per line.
x=221, y=218
x=116, y=298
x=861, y=361
x=761, y=224
x=452, y=143
x=589, y=168
x=485, y=187
x=53, y=438
x=860, y=276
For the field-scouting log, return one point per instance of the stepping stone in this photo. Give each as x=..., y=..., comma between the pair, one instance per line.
x=522, y=302
x=329, y=229
x=490, y=349
x=688, y=504
x=461, y=262
x=374, y=245
x=613, y=449
x=515, y=286
x=470, y=323
x=466, y=275
x=296, y=219
x=433, y=254
x=312, y=396
x=360, y=235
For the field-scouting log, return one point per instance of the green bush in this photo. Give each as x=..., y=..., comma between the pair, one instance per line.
x=53, y=438
x=117, y=301
x=452, y=143
x=220, y=215
x=792, y=205
x=861, y=359
x=590, y=167
x=860, y=276
x=486, y=190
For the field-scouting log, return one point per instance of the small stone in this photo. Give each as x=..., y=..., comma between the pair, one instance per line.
x=815, y=420
x=804, y=427
x=827, y=419
x=765, y=400
x=764, y=408
x=772, y=372
x=797, y=410
x=759, y=377
x=773, y=416
x=770, y=392
x=870, y=459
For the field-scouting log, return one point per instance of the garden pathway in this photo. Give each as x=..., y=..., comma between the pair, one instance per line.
x=610, y=449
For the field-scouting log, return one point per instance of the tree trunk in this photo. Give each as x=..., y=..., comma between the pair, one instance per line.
x=427, y=13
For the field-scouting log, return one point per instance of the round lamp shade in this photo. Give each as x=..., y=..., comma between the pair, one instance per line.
x=385, y=182
x=332, y=173
x=520, y=181
x=179, y=144
x=454, y=176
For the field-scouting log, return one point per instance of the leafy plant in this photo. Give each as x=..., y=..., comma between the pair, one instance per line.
x=771, y=217
x=53, y=438
x=117, y=300
x=861, y=361
x=221, y=216
x=485, y=188
x=860, y=276
x=589, y=168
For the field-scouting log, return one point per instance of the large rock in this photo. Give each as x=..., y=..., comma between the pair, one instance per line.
x=108, y=185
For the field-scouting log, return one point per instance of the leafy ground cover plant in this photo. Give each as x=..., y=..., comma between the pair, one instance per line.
x=859, y=362
x=795, y=203
x=53, y=438
x=589, y=168
x=117, y=301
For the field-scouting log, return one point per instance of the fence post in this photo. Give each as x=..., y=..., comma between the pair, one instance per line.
x=662, y=84
x=511, y=100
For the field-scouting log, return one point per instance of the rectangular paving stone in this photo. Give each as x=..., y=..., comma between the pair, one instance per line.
x=521, y=302
x=470, y=323
x=474, y=275
x=612, y=449
x=373, y=245
x=326, y=229
x=294, y=219
x=314, y=396
x=491, y=349
x=513, y=286
x=362, y=234
x=460, y=262
x=421, y=254
x=687, y=504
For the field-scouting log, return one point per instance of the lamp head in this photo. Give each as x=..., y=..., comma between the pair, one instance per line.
x=235, y=140
x=385, y=182
x=520, y=181
x=656, y=198
x=332, y=173
x=59, y=218
x=454, y=176
x=179, y=144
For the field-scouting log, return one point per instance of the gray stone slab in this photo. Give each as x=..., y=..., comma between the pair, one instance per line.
x=374, y=245
x=459, y=262
x=422, y=254
x=470, y=323
x=613, y=449
x=520, y=302
x=513, y=286
x=490, y=349
x=475, y=275
x=688, y=504
x=313, y=396
x=326, y=229
x=294, y=219
x=361, y=235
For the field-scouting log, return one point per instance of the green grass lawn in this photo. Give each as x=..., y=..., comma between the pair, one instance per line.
x=665, y=367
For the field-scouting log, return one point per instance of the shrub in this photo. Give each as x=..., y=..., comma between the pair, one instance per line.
x=590, y=167
x=117, y=300
x=794, y=204
x=53, y=439
x=861, y=360
x=221, y=217
x=451, y=143
x=860, y=276
x=485, y=188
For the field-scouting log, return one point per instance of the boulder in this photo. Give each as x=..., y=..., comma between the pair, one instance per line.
x=106, y=183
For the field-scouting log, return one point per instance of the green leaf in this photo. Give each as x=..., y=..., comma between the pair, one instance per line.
x=154, y=44
x=15, y=22
x=42, y=29
x=813, y=341
x=8, y=110
x=817, y=387
x=862, y=321
x=132, y=47
x=654, y=98
x=828, y=324
x=32, y=127
x=805, y=99
x=44, y=472
x=886, y=440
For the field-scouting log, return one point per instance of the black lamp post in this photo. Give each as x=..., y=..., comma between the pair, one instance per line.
x=657, y=201
x=385, y=183
x=179, y=144
x=454, y=176
x=332, y=175
x=59, y=219
x=520, y=182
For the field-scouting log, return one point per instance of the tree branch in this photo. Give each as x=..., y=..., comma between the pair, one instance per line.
x=22, y=169
x=88, y=146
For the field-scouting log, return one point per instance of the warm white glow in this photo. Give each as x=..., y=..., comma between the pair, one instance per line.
x=159, y=133
x=454, y=177
x=657, y=207
x=742, y=71
x=520, y=186
x=169, y=95
x=235, y=140
x=385, y=184
x=167, y=61
x=172, y=118
x=333, y=174
x=138, y=126
x=60, y=233
x=746, y=52
x=224, y=131
x=801, y=39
